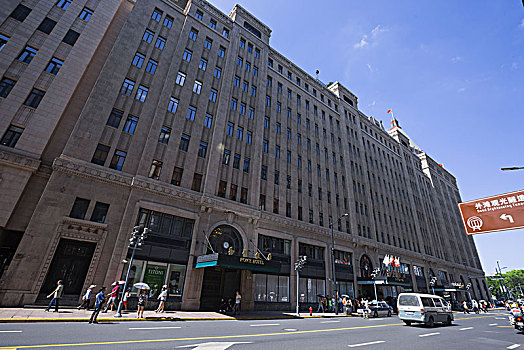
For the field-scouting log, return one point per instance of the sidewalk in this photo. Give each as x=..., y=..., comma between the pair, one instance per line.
x=19, y=315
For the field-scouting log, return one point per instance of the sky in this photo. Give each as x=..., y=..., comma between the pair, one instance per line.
x=451, y=71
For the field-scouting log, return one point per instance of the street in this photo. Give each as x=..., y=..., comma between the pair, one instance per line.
x=483, y=331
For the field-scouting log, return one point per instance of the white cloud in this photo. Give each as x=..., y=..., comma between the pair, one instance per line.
x=370, y=68
x=461, y=89
x=521, y=25
x=372, y=104
x=362, y=42
x=377, y=30
x=456, y=59
x=514, y=66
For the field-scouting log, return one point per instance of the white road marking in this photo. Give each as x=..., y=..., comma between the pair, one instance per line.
x=499, y=318
x=465, y=329
x=514, y=346
x=364, y=344
x=428, y=334
x=212, y=345
x=329, y=321
x=10, y=331
x=290, y=329
x=264, y=324
x=493, y=324
x=149, y=328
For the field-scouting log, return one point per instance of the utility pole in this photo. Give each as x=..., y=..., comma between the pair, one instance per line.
x=299, y=265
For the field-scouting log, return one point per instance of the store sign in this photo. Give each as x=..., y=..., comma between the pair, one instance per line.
x=238, y=262
x=458, y=285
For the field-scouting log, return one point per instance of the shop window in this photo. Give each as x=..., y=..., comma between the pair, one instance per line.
x=271, y=288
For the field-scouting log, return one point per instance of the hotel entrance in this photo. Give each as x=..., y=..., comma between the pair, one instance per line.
x=218, y=283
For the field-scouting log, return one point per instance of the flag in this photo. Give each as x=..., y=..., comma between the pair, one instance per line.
x=386, y=260
x=389, y=111
x=392, y=260
x=397, y=262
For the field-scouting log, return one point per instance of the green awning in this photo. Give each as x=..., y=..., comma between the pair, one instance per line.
x=238, y=262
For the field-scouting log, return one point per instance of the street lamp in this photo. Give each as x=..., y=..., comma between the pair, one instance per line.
x=138, y=236
x=333, y=261
x=299, y=265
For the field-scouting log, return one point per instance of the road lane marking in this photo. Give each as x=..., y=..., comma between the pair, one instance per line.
x=428, y=334
x=514, y=346
x=290, y=329
x=10, y=331
x=142, y=341
x=505, y=326
x=212, y=345
x=465, y=329
x=369, y=343
x=330, y=322
x=493, y=324
x=150, y=328
x=264, y=324
x=499, y=318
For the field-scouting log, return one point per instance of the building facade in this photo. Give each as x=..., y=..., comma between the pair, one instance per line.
x=175, y=116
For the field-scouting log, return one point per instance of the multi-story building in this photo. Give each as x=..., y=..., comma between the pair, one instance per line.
x=177, y=117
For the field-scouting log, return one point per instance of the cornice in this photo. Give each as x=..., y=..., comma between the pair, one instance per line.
x=17, y=160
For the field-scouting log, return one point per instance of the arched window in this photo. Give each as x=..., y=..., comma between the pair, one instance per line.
x=366, y=267
x=225, y=239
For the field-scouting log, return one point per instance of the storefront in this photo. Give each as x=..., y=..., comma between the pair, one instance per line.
x=312, y=282
x=420, y=279
x=344, y=273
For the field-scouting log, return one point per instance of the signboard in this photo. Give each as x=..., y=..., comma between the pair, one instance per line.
x=238, y=262
x=496, y=213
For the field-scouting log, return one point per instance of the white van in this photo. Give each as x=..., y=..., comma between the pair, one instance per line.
x=424, y=308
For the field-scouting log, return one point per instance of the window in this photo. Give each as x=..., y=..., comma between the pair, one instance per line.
x=236, y=81
x=157, y=15
x=278, y=128
x=245, y=86
x=288, y=182
x=100, y=212
x=187, y=55
x=269, y=81
x=6, y=85
x=148, y=36
x=79, y=209
x=248, y=66
x=239, y=61
x=118, y=160
x=138, y=60
x=199, y=14
x=257, y=53
x=203, y=64
x=277, y=177
x=242, y=108
x=100, y=155
x=250, y=48
x=288, y=158
x=213, y=23
x=221, y=51
x=263, y=172
x=160, y=43
x=130, y=124
x=168, y=22
x=240, y=133
x=251, y=113
x=275, y=205
x=172, y=106
x=266, y=122
x=86, y=14
x=193, y=34
x=218, y=72
x=279, y=88
x=46, y=26
x=3, y=41
x=246, y=165
x=213, y=95
x=225, y=33
x=268, y=101
x=243, y=195
x=180, y=78
x=197, y=87
x=249, y=136
x=208, y=43
x=191, y=111
x=234, y=103
x=27, y=55
x=156, y=168
x=11, y=136
x=63, y=4
x=127, y=87
x=114, y=118
x=255, y=71
x=233, y=192
x=151, y=66
x=208, y=120
x=165, y=132
x=270, y=62
x=277, y=151
x=71, y=37
x=202, y=149
x=226, y=157
x=141, y=93
x=236, y=161
x=21, y=12
x=197, y=182
x=177, y=176
x=184, y=142
x=222, y=187
x=34, y=98
x=253, y=91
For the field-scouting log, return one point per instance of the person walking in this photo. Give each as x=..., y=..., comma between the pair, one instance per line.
x=99, y=302
x=142, y=300
x=113, y=297
x=162, y=297
x=320, y=305
x=238, y=299
x=465, y=307
x=365, y=311
x=57, y=294
x=126, y=296
x=475, y=306
x=86, y=298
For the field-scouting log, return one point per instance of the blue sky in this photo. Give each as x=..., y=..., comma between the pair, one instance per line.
x=452, y=71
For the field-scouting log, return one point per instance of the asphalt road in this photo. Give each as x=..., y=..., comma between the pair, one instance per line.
x=485, y=331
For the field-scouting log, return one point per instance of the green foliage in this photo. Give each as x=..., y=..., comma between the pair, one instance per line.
x=512, y=279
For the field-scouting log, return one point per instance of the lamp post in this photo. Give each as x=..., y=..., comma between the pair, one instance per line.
x=299, y=265
x=468, y=286
x=333, y=261
x=138, y=236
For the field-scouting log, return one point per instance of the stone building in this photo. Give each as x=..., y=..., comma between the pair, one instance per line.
x=175, y=116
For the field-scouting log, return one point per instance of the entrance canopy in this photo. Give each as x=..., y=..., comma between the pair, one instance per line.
x=238, y=262
x=390, y=281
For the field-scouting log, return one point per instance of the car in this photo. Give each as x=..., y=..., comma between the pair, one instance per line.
x=377, y=309
x=424, y=308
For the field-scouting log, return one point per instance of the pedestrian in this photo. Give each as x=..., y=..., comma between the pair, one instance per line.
x=99, y=302
x=113, y=297
x=365, y=311
x=238, y=299
x=162, y=297
x=86, y=298
x=465, y=307
x=223, y=306
x=126, y=296
x=142, y=299
x=320, y=305
x=57, y=294
x=475, y=306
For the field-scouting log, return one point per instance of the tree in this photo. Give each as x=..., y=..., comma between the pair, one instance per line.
x=514, y=281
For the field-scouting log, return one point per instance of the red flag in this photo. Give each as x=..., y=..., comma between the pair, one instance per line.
x=389, y=111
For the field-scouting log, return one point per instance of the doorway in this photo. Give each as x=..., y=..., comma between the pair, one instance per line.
x=70, y=264
x=218, y=283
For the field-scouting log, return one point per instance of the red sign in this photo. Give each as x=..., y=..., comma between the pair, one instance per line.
x=496, y=213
